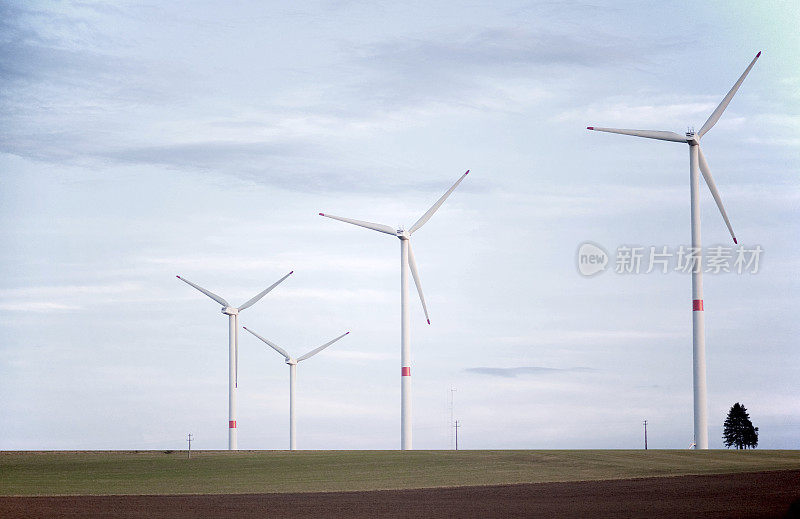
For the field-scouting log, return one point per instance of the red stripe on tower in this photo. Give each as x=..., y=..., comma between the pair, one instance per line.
x=697, y=305
x=232, y=424
x=405, y=371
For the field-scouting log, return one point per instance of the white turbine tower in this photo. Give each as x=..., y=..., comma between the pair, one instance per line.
x=292, y=362
x=233, y=349
x=406, y=262
x=696, y=162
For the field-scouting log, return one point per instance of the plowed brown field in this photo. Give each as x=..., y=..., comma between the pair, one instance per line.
x=743, y=495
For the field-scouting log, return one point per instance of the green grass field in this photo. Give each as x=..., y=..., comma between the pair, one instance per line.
x=222, y=472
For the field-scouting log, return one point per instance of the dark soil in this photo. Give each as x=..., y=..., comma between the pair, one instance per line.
x=758, y=494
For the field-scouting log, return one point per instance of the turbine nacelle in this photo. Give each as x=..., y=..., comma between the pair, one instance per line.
x=229, y=310
x=291, y=362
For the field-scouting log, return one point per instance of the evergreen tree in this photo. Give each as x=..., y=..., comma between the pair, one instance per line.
x=739, y=430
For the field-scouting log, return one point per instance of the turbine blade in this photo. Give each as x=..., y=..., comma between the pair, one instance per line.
x=649, y=134
x=369, y=225
x=268, y=343
x=317, y=350
x=212, y=295
x=427, y=216
x=265, y=292
x=413, y=265
x=716, y=114
x=236, y=354
x=713, y=188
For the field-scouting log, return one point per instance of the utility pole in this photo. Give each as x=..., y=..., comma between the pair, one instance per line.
x=189, y=452
x=452, y=408
x=456, y=426
x=645, y=434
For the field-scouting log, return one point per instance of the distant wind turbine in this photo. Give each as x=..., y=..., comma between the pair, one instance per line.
x=406, y=262
x=696, y=162
x=292, y=362
x=233, y=349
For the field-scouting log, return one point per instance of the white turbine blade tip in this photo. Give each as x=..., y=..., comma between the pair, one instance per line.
x=706, y=171
x=723, y=105
x=210, y=294
x=435, y=207
x=647, y=134
x=317, y=350
x=361, y=223
x=264, y=292
x=412, y=264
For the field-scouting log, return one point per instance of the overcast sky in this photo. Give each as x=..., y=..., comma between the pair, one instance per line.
x=144, y=140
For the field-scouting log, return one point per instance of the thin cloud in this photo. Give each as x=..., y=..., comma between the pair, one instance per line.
x=525, y=370
x=498, y=47
x=69, y=290
x=205, y=155
x=37, y=307
x=461, y=69
x=668, y=114
x=279, y=263
x=353, y=355
x=555, y=336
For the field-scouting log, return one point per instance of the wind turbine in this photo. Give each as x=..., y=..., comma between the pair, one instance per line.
x=406, y=262
x=696, y=162
x=233, y=349
x=292, y=362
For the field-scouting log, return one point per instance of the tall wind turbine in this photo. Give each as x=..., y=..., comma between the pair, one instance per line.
x=233, y=349
x=406, y=262
x=292, y=362
x=696, y=162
